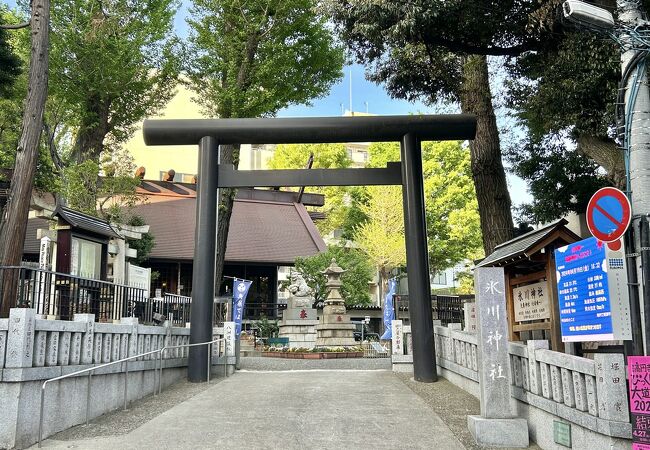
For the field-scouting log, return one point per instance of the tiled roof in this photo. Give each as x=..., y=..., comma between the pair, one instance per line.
x=519, y=246
x=260, y=232
x=85, y=222
x=153, y=188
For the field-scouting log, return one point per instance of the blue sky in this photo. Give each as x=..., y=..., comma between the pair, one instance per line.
x=365, y=96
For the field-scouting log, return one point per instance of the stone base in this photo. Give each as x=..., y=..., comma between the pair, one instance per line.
x=301, y=333
x=335, y=335
x=510, y=433
x=299, y=314
x=402, y=363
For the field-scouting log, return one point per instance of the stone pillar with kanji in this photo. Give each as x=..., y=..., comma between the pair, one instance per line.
x=496, y=426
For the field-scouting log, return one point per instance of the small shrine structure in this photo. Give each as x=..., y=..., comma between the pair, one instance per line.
x=335, y=328
x=531, y=283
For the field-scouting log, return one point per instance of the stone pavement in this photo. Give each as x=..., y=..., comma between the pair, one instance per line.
x=331, y=409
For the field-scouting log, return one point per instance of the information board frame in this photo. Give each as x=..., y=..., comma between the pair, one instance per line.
x=592, y=292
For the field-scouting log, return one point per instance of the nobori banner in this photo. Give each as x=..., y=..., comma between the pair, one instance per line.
x=592, y=292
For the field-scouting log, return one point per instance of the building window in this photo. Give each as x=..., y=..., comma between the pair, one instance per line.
x=439, y=278
x=178, y=177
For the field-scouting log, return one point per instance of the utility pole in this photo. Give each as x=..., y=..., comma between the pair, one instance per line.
x=633, y=116
x=637, y=129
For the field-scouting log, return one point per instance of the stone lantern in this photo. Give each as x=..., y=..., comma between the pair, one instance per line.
x=335, y=328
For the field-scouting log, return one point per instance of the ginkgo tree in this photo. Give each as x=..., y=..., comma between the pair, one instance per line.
x=341, y=202
x=453, y=225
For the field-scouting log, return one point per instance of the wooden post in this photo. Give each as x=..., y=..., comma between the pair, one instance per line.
x=551, y=282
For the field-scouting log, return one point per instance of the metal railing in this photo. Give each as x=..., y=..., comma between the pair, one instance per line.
x=64, y=295
x=158, y=360
x=225, y=358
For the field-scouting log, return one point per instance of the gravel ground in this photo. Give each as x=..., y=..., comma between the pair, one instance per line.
x=255, y=363
x=139, y=412
x=452, y=404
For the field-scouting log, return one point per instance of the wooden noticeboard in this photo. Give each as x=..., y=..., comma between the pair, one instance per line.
x=531, y=295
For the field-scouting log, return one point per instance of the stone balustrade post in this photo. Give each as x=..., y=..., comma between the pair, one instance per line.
x=20, y=338
x=87, y=338
x=611, y=387
x=534, y=375
x=133, y=336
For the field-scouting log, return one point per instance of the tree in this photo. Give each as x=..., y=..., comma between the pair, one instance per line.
x=115, y=195
x=13, y=223
x=10, y=64
x=417, y=52
x=113, y=64
x=382, y=235
x=453, y=228
x=355, y=281
x=251, y=60
x=565, y=96
x=341, y=203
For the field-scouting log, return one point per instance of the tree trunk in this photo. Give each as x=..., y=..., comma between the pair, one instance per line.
x=487, y=169
x=607, y=154
x=229, y=155
x=93, y=129
x=14, y=222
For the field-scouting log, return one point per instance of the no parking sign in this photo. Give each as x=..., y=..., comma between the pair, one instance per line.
x=608, y=216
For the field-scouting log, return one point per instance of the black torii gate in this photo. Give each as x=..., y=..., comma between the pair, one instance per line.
x=410, y=131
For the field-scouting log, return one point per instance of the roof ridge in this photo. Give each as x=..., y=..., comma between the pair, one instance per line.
x=562, y=221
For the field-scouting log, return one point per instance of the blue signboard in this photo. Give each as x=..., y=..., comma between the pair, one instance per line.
x=583, y=292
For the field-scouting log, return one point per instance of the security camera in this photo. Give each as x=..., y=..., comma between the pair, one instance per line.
x=582, y=13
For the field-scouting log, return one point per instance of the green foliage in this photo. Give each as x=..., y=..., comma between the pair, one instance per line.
x=111, y=65
x=294, y=156
x=83, y=191
x=382, y=235
x=355, y=281
x=10, y=64
x=11, y=108
x=453, y=227
x=571, y=84
x=560, y=180
x=144, y=245
x=254, y=58
x=341, y=203
x=561, y=94
x=415, y=48
x=267, y=328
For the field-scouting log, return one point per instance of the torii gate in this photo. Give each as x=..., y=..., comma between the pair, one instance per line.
x=410, y=131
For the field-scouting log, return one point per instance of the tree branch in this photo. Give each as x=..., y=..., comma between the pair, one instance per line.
x=461, y=47
x=17, y=26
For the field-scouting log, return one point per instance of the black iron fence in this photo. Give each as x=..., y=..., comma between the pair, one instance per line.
x=63, y=295
x=449, y=309
x=446, y=308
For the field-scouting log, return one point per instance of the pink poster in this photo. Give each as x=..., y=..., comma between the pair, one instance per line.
x=639, y=369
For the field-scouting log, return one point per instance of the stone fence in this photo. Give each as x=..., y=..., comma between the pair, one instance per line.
x=546, y=385
x=33, y=350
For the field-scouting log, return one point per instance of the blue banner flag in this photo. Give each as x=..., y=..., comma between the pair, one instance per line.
x=389, y=312
x=239, y=292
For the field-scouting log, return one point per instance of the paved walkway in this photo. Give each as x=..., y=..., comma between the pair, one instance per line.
x=333, y=409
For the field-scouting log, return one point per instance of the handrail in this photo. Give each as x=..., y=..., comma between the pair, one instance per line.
x=90, y=370
x=167, y=347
